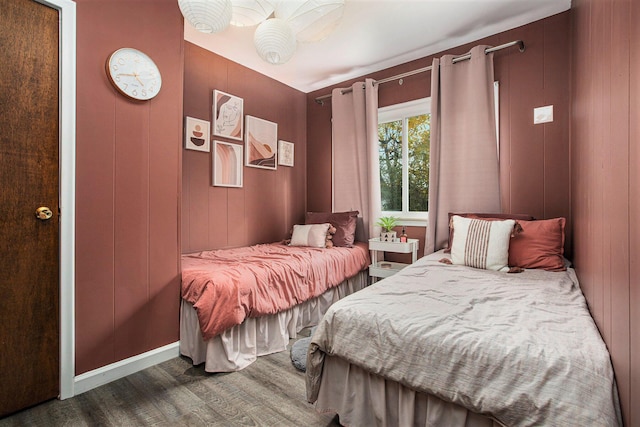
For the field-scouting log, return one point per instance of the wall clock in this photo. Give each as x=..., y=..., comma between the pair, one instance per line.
x=134, y=74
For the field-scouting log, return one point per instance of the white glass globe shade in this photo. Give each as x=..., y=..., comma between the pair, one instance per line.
x=275, y=41
x=247, y=13
x=207, y=16
x=311, y=20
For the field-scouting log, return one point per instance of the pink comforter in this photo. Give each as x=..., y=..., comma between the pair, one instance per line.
x=226, y=286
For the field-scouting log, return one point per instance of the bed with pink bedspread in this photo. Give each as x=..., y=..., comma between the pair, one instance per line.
x=241, y=303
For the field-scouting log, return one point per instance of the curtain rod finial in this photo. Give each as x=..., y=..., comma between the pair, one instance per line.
x=521, y=45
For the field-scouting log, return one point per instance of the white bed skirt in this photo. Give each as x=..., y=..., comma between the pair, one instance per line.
x=361, y=398
x=238, y=347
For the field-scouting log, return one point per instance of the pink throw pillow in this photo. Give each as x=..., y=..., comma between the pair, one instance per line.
x=344, y=222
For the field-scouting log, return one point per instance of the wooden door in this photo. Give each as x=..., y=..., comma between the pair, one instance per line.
x=29, y=247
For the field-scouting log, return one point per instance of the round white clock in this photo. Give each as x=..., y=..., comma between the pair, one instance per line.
x=134, y=74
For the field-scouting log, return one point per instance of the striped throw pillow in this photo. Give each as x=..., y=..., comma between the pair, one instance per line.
x=481, y=244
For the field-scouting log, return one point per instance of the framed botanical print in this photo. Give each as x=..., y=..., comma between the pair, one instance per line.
x=285, y=153
x=228, y=114
x=227, y=164
x=261, y=141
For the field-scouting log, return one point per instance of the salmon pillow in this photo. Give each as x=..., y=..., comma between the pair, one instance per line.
x=540, y=244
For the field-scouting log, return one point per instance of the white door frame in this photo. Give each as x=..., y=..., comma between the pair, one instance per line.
x=67, y=167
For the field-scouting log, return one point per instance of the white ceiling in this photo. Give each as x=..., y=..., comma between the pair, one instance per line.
x=377, y=34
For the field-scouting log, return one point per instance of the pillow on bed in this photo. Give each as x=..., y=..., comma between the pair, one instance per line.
x=344, y=222
x=485, y=216
x=481, y=243
x=540, y=244
x=314, y=235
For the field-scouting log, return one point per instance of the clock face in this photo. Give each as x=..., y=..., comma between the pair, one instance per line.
x=134, y=74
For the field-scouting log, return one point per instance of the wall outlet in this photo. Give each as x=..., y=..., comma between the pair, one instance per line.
x=543, y=114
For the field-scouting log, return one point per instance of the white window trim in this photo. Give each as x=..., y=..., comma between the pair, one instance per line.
x=401, y=112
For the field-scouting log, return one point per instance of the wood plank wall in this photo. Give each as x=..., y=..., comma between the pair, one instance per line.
x=127, y=186
x=605, y=129
x=270, y=202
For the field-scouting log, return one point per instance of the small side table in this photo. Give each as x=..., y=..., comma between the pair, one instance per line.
x=383, y=269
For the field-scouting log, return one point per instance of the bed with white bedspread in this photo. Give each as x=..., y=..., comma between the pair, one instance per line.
x=440, y=344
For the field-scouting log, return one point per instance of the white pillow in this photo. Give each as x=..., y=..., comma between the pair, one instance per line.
x=481, y=244
x=314, y=235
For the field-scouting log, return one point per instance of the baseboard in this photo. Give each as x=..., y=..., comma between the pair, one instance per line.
x=106, y=374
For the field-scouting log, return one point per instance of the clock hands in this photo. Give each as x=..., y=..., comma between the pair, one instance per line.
x=134, y=74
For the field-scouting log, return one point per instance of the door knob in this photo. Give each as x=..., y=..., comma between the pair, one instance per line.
x=43, y=213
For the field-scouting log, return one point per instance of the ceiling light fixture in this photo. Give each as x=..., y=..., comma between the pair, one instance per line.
x=247, y=13
x=207, y=16
x=275, y=41
x=276, y=37
x=311, y=20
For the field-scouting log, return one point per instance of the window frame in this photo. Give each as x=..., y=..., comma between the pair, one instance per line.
x=403, y=112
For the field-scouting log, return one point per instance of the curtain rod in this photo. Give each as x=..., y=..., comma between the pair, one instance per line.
x=520, y=43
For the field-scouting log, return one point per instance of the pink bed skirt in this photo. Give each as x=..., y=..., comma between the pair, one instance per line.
x=361, y=398
x=238, y=347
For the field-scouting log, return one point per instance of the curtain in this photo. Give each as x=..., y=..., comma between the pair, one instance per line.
x=463, y=171
x=356, y=171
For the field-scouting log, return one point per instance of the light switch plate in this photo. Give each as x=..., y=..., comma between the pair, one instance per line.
x=543, y=114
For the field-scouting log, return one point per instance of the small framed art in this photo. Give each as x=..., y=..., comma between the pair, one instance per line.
x=285, y=153
x=196, y=134
x=228, y=112
x=261, y=143
x=227, y=164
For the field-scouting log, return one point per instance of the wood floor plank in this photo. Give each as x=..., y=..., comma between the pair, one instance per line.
x=270, y=392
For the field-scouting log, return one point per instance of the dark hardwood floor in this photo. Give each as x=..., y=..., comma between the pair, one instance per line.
x=270, y=392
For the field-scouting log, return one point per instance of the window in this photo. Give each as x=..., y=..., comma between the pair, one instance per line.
x=404, y=141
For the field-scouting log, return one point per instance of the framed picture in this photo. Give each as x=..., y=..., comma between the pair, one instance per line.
x=228, y=112
x=196, y=134
x=261, y=143
x=227, y=164
x=285, y=153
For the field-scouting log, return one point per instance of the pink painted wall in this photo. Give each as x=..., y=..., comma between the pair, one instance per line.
x=605, y=176
x=127, y=185
x=270, y=202
x=534, y=159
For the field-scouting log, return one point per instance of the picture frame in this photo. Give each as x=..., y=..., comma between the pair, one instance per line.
x=227, y=168
x=197, y=134
x=228, y=115
x=285, y=153
x=261, y=143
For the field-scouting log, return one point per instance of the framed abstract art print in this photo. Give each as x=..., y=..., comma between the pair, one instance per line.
x=261, y=141
x=196, y=134
x=227, y=164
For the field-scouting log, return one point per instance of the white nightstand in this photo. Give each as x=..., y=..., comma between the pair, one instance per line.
x=388, y=268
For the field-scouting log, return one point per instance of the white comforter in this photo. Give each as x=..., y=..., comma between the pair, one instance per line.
x=521, y=348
